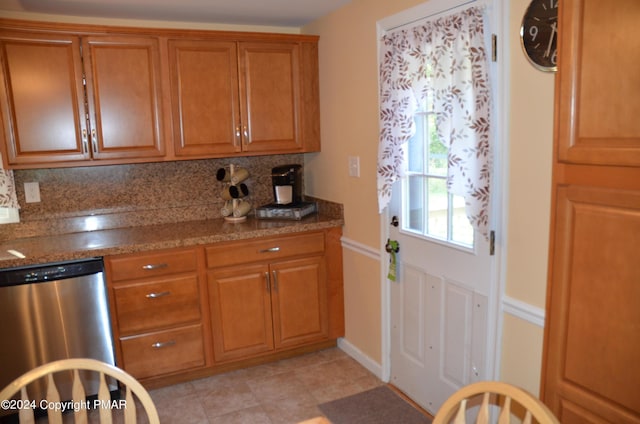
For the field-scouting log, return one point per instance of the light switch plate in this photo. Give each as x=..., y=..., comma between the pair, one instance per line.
x=32, y=192
x=354, y=166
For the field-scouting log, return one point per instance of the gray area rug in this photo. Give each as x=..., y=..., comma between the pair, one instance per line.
x=376, y=406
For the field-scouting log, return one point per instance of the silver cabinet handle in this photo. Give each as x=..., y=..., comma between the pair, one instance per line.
x=160, y=345
x=245, y=132
x=85, y=143
x=157, y=295
x=94, y=140
x=271, y=249
x=268, y=280
x=154, y=266
x=275, y=280
x=238, y=135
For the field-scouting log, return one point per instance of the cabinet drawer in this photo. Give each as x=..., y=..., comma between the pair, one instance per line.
x=149, y=265
x=239, y=252
x=163, y=352
x=157, y=304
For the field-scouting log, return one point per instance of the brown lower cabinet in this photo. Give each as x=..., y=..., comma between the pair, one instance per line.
x=262, y=307
x=189, y=312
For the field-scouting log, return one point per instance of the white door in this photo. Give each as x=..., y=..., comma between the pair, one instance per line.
x=439, y=304
x=441, y=319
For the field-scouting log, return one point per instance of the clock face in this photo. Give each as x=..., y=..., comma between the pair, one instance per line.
x=539, y=34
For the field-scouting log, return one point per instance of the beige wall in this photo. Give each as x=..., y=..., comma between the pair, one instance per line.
x=349, y=124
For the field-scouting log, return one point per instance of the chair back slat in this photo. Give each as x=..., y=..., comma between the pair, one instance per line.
x=78, y=395
x=461, y=415
x=54, y=414
x=505, y=413
x=104, y=395
x=527, y=418
x=25, y=414
x=483, y=412
x=130, y=411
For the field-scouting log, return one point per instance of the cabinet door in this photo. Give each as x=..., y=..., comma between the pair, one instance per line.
x=240, y=303
x=270, y=93
x=593, y=345
x=299, y=298
x=204, y=95
x=124, y=96
x=598, y=83
x=591, y=372
x=42, y=98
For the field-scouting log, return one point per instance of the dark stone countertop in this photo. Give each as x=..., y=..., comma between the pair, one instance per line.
x=79, y=245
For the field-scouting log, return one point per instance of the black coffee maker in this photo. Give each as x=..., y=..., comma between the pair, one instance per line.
x=287, y=184
x=287, y=195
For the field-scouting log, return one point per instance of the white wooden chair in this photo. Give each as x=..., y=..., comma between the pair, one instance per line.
x=494, y=393
x=130, y=384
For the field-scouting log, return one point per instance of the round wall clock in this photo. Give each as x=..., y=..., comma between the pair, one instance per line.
x=539, y=33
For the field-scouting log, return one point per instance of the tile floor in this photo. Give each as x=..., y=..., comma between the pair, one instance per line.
x=282, y=392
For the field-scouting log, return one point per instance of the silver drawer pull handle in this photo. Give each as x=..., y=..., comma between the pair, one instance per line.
x=157, y=295
x=154, y=266
x=160, y=345
x=271, y=249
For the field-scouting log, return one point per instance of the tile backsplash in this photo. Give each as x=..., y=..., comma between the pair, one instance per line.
x=124, y=195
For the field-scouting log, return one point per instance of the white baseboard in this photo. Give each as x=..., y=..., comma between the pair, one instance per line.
x=360, y=357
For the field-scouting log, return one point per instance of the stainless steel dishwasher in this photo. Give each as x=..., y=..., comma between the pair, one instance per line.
x=50, y=312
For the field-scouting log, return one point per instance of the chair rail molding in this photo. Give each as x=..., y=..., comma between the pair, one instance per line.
x=523, y=310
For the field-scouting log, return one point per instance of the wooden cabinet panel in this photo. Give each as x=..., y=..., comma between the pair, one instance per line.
x=594, y=359
x=278, y=302
x=267, y=249
x=157, y=304
x=591, y=372
x=42, y=98
x=270, y=92
x=163, y=352
x=228, y=94
x=153, y=264
x=158, y=312
x=299, y=299
x=204, y=93
x=598, y=103
x=240, y=302
x=124, y=96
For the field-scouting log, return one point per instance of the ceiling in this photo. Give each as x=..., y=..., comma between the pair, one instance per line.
x=287, y=13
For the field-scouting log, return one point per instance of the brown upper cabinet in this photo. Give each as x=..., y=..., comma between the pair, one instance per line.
x=78, y=95
x=67, y=99
x=230, y=97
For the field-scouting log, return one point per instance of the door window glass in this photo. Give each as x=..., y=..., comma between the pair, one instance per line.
x=429, y=209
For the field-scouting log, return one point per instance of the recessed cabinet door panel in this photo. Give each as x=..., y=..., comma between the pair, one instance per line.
x=240, y=303
x=594, y=362
x=41, y=97
x=597, y=113
x=299, y=296
x=204, y=94
x=270, y=92
x=124, y=96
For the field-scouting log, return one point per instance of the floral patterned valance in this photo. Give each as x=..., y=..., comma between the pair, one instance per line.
x=446, y=60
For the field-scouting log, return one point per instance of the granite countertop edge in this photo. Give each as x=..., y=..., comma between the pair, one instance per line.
x=99, y=243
